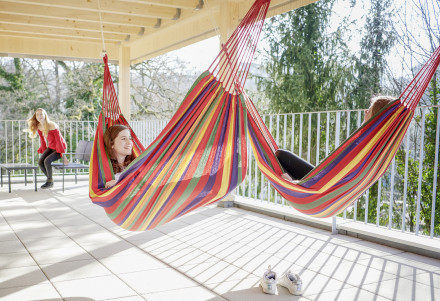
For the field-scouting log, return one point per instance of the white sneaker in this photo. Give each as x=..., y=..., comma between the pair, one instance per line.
x=292, y=282
x=269, y=282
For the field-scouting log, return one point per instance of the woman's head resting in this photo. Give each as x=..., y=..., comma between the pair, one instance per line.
x=377, y=103
x=119, y=145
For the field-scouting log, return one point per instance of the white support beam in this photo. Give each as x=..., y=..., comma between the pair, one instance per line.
x=124, y=82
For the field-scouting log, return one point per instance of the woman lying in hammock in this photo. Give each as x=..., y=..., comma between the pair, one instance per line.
x=119, y=146
x=297, y=168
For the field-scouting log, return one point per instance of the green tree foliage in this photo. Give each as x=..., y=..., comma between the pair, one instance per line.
x=429, y=175
x=377, y=41
x=13, y=79
x=84, y=90
x=12, y=88
x=303, y=61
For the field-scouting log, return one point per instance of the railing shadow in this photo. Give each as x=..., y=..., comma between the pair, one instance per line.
x=213, y=235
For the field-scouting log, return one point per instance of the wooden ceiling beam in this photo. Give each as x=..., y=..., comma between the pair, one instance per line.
x=183, y=4
x=82, y=7
x=20, y=46
x=44, y=23
x=48, y=37
x=60, y=32
x=80, y=16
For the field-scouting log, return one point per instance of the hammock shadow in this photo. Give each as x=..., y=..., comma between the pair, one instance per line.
x=69, y=266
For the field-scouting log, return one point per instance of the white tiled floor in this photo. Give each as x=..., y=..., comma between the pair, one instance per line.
x=59, y=246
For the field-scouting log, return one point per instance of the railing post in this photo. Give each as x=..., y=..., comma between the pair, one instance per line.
x=334, y=229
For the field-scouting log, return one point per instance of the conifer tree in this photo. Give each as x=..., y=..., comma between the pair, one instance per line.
x=303, y=61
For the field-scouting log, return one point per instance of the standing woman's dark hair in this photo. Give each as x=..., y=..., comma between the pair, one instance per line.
x=109, y=141
x=51, y=150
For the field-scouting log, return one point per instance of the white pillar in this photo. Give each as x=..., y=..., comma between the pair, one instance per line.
x=124, y=81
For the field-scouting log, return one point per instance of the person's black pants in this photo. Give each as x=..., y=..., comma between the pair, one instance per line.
x=296, y=167
x=46, y=159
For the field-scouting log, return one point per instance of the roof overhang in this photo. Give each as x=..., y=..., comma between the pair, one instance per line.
x=71, y=29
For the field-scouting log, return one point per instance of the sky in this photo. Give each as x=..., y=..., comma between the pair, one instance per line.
x=200, y=55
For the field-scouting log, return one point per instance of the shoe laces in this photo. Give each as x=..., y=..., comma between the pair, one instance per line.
x=294, y=278
x=269, y=275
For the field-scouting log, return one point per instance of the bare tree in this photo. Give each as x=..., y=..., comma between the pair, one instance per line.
x=418, y=35
x=158, y=86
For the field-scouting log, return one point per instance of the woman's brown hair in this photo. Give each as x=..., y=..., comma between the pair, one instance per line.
x=109, y=139
x=378, y=102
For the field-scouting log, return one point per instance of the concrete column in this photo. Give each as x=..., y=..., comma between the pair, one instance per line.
x=124, y=81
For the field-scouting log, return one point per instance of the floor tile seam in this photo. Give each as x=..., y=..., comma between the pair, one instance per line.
x=325, y=252
x=354, y=263
x=82, y=278
x=122, y=238
x=408, y=277
x=20, y=252
x=36, y=263
x=146, y=295
x=222, y=259
x=398, y=251
x=415, y=262
x=391, y=276
x=247, y=273
x=192, y=223
x=29, y=253
x=80, y=246
x=420, y=283
x=355, y=250
x=22, y=287
x=360, y=289
x=324, y=290
x=377, y=288
x=419, y=271
x=204, y=251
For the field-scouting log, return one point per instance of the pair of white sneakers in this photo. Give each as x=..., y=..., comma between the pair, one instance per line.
x=289, y=280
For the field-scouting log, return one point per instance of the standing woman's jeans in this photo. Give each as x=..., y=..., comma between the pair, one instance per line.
x=46, y=160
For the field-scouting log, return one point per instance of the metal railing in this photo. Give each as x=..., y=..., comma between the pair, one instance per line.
x=405, y=198
x=17, y=147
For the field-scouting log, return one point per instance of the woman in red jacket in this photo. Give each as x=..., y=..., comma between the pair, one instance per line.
x=54, y=148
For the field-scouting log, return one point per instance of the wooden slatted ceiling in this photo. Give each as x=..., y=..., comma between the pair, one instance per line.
x=61, y=28
x=80, y=19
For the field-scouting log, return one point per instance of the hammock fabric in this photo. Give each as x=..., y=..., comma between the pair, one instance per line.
x=198, y=158
x=201, y=154
x=354, y=166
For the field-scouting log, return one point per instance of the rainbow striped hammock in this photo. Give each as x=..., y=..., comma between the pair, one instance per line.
x=201, y=156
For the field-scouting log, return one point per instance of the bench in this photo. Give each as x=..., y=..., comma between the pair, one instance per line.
x=82, y=154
